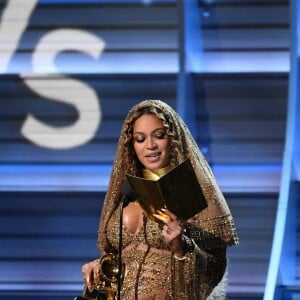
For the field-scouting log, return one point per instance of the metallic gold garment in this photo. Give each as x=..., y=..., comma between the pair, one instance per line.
x=147, y=260
x=207, y=234
x=155, y=175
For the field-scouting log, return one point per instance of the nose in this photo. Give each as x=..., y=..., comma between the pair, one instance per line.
x=151, y=144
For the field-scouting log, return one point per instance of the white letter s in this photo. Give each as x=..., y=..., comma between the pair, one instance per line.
x=64, y=89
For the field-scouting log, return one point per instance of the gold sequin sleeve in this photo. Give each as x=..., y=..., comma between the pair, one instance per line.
x=203, y=266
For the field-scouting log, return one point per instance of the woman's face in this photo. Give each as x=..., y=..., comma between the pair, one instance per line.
x=151, y=142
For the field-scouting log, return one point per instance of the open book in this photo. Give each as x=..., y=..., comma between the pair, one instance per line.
x=178, y=191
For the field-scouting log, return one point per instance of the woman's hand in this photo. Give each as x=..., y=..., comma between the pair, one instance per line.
x=91, y=273
x=171, y=231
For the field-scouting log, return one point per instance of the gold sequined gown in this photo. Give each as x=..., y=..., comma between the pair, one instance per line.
x=147, y=260
x=152, y=272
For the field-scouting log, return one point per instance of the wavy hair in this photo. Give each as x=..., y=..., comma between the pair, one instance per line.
x=132, y=163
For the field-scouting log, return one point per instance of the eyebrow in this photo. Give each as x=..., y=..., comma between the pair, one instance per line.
x=140, y=132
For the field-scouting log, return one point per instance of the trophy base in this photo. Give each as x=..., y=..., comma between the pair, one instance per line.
x=95, y=295
x=84, y=298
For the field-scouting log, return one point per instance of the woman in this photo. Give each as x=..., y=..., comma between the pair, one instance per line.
x=181, y=259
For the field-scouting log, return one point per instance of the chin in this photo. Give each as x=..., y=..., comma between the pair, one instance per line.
x=154, y=166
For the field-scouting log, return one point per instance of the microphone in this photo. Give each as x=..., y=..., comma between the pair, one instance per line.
x=128, y=194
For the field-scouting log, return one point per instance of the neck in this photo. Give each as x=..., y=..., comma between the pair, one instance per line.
x=156, y=174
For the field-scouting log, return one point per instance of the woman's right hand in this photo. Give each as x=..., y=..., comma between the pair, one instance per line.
x=91, y=273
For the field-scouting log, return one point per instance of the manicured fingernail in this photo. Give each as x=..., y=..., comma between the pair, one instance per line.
x=156, y=216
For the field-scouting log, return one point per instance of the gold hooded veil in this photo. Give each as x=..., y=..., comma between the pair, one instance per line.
x=213, y=225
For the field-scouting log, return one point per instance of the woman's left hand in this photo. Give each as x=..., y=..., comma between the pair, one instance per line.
x=171, y=231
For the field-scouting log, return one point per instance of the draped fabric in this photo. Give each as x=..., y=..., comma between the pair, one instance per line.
x=207, y=234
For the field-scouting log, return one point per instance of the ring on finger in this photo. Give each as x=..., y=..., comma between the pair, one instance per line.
x=169, y=230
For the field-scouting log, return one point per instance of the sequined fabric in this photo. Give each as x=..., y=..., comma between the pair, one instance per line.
x=202, y=274
x=147, y=260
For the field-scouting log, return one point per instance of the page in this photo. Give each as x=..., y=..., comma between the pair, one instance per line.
x=178, y=191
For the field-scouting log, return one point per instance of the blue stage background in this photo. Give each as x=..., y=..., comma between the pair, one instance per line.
x=71, y=70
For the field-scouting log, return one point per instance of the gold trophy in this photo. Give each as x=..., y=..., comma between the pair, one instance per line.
x=107, y=287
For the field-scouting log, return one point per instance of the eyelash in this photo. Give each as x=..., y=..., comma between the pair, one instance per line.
x=139, y=141
x=159, y=136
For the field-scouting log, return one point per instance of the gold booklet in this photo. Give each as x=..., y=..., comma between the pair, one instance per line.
x=178, y=191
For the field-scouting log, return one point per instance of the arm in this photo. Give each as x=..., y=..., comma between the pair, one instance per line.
x=199, y=257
